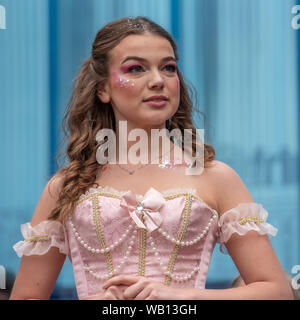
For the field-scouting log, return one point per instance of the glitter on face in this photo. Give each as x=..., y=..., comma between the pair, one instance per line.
x=122, y=83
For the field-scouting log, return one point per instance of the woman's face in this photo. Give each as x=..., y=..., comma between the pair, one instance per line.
x=143, y=85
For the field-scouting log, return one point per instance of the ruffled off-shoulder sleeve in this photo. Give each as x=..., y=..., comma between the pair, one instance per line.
x=245, y=217
x=40, y=238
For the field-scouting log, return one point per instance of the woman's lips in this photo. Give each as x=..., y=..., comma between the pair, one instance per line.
x=156, y=103
x=156, y=100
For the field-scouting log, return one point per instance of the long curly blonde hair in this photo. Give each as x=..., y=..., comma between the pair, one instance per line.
x=86, y=114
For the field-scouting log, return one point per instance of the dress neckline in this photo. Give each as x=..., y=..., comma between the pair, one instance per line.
x=165, y=193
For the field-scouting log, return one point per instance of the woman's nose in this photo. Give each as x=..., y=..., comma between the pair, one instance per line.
x=156, y=80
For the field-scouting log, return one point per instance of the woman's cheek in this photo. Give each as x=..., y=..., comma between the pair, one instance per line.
x=176, y=86
x=176, y=90
x=178, y=83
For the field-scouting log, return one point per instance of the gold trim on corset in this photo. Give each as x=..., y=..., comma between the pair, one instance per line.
x=118, y=195
x=142, y=251
x=100, y=235
x=100, y=193
x=173, y=257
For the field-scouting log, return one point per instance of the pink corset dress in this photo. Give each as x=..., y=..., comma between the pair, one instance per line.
x=166, y=236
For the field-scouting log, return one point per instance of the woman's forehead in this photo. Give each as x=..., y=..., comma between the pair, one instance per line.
x=146, y=46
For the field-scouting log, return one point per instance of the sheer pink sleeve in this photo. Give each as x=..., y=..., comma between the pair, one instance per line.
x=39, y=239
x=245, y=217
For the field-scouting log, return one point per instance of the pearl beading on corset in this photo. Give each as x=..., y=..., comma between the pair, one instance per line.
x=177, y=278
x=164, y=268
x=126, y=233
x=103, y=250
x=192, y=242
x=180, y=278
x=117, y=268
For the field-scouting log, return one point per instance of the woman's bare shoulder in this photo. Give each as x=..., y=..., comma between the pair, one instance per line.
x=217, y=172
x=218, y=166
x=228, y=188
x=55, y=184
x=48, y=199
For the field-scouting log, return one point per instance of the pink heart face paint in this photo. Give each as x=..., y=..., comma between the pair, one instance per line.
x=121, y=82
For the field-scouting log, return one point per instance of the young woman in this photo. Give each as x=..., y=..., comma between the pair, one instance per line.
x=141, y=230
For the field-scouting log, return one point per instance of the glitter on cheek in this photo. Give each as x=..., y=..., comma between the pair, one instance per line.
x=120, y=82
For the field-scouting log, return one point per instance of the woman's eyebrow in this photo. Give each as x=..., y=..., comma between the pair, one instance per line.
x=145, y=60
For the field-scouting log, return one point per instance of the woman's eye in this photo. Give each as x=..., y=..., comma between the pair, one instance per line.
x=135, y=69
x=170, y=68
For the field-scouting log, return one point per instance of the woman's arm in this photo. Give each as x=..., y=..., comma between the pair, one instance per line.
x=252, y=253
x=38, y=273
x=256, y=261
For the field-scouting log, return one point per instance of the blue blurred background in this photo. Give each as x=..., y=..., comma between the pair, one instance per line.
x=241, y=56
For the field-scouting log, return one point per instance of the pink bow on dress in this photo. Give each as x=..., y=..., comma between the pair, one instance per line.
x=148, y=209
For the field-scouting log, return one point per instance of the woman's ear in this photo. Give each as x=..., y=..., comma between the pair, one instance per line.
x=103, y=93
